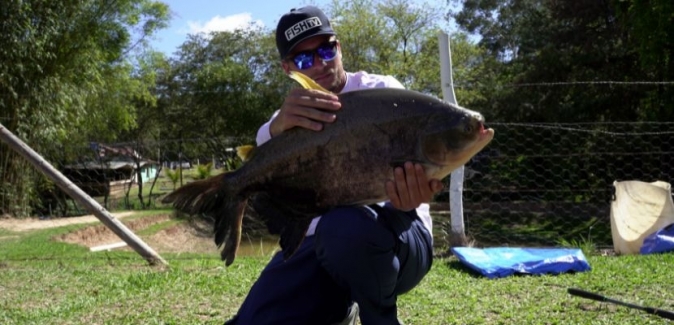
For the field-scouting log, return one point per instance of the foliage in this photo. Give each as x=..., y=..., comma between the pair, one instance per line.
x=203, y=171
x=67, y=72
x=174, y=176
x=573, y=43
x=649, y=26
x=585, y=245
x=219, y=85
x=406, y=42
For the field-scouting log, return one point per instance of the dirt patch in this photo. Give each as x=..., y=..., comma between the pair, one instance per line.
x=192, y=237
x=101, y=235
x=14, y=224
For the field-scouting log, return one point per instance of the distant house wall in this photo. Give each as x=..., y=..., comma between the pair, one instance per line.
x=148, y=172
x=110, y=178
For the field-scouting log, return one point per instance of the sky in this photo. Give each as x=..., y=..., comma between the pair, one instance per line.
x=193, y=16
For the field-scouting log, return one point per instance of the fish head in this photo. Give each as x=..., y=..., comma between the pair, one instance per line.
x=452, y=138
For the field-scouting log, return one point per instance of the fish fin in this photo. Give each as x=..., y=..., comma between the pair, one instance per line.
x=244, y=152
x=280, y=220
x=306, y=82
x=228, y=229
x=293, y=235
x=269, y=212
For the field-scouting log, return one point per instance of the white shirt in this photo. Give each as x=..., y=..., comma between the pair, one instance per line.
x=356, y=81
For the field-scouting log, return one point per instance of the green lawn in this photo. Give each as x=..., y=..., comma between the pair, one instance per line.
x=48, y=282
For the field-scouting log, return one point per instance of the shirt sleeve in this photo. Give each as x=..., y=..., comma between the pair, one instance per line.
x=263, y=133
x=392, y=82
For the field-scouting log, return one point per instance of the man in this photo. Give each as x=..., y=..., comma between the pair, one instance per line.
x=367, y=255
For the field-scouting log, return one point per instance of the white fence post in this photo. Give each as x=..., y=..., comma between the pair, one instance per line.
x=458, y=231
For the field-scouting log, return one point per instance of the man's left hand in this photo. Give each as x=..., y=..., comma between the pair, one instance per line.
x=410, y=187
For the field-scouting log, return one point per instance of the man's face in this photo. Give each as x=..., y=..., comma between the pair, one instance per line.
x=329, y=74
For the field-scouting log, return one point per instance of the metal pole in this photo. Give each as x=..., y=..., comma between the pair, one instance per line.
x=458, y=232
x=80, y=196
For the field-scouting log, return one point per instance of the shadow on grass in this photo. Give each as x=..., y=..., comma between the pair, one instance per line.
x=458, y=266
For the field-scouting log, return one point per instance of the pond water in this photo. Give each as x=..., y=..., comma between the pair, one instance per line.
x=256, y=246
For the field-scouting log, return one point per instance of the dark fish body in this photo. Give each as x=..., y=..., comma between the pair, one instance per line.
x=305, y=173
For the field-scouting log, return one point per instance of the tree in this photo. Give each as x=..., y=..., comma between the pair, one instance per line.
x=650, y=29
x=60, y=58
x=399, y=38
x=545, y=42
x=220, y=88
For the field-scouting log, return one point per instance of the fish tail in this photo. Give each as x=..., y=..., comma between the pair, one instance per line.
x=197, y=197
x=228, y=228
x=217, y=198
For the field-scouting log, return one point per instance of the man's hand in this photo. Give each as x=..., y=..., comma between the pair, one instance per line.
x=410, y=187
x=305, y=108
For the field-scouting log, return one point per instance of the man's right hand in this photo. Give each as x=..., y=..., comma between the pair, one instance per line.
x=305, y=108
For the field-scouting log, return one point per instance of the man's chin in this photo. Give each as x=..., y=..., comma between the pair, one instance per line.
x=327, y=83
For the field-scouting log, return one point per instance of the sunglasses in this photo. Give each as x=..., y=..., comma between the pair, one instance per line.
x=305, y=59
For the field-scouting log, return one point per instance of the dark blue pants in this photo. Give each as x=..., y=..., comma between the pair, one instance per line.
x=352, y=257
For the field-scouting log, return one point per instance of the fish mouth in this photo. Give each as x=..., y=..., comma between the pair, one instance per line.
x=485, y=132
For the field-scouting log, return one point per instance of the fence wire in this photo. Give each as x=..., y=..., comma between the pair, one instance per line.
x=534, y=185
x=550, y=184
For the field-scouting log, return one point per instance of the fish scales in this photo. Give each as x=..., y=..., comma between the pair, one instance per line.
x=304, y=173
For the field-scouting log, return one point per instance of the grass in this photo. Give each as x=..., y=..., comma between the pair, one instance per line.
x=48, y=282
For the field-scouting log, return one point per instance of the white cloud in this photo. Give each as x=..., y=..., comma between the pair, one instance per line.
x=220, y=24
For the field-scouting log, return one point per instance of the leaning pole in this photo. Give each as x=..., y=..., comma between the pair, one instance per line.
x=80, y=196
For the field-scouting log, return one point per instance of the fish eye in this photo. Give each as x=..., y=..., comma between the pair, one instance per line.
x=468, y=128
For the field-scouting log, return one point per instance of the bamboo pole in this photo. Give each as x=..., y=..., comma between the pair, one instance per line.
x=80, y=196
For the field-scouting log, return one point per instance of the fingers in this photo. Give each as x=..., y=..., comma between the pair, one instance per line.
x=411, y=187
x=305, y=108
x=407, y=186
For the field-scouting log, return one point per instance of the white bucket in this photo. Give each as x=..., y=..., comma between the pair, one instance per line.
x=639, y=209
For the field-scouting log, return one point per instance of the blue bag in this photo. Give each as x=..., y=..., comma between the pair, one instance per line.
x=659, y=242
x=504, y=261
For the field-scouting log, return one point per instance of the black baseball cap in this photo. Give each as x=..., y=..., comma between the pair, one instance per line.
x=298, y=25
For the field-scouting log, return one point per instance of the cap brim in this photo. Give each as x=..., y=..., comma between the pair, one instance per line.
x=306, y=38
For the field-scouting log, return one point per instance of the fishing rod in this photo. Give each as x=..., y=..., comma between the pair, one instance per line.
x=595, y=296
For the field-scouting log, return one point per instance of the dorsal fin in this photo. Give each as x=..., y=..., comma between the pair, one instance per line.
x=244, y=152
x=306, y=82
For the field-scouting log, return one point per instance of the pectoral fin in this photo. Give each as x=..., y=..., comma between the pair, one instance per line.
x=292, y=236
x=306, y=82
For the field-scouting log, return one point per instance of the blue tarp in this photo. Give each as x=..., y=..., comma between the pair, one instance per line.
x=504, y=261
x=659, y=242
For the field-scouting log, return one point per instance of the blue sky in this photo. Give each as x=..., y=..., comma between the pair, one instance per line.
x=194, y=16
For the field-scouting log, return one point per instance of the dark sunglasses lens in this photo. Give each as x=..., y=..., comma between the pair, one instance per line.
x=327, y=52
x=304, y=60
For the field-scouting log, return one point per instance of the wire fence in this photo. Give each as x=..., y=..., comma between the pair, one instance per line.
x=546, y=184
x=534, y=185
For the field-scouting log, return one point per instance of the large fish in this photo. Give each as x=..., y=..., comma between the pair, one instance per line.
x=304, y=173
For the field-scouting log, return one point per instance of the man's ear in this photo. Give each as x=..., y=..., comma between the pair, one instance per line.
x=339, y=48
x=286, y=66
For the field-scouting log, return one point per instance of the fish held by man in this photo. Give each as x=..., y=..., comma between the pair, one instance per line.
x=303, y=173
